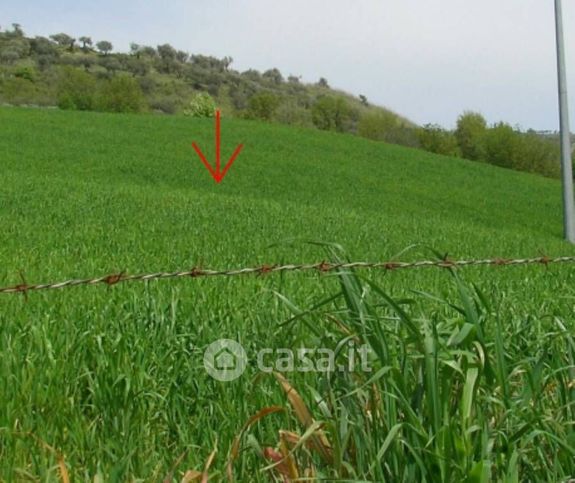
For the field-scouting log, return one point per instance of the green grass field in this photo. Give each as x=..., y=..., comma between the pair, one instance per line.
x=473, y=374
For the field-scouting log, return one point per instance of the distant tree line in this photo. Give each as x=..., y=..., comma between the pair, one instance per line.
x=499, y=144
x=85, y=74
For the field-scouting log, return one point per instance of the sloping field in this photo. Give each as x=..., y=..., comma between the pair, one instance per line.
x=472, y=375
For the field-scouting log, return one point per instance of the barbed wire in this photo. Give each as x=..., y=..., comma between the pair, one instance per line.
x=322, y=267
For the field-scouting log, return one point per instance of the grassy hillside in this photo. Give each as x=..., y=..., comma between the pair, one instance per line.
x=98, y=175
x=113, y=378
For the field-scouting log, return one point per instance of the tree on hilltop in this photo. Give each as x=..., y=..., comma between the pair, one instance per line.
x=105, y=47
x=135, y=49
x=168, y=58
x=86, y=42
x=16, y=31
x=64, y=40
x=273, y=75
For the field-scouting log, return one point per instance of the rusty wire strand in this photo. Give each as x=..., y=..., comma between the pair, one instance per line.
x=322, y=267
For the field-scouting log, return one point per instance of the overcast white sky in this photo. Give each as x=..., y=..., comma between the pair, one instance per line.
x=426, y=59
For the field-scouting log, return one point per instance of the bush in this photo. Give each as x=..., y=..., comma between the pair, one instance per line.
x=381, y=125
x=510, y=148
x=274, y=76
x=147, y=84
x=26, y=72
x=331, y=114
x=435, y=139
x=470, y=133
x=111, y=64
x=17, y=91
x=14, y=50
x=263, y=106
x=165, y=104
x=201, y=105
x=76, y=90
x=537, y=154
x=240, y=95
x=122, y=94
x=404, y=136
x=377, y=125
x=294, y=115
x=502, y=145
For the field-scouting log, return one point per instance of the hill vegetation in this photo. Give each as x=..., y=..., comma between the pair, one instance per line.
x=82, y=74
x=85, y=75
x=471, y=372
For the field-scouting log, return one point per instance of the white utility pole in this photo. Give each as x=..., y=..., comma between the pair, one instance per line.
x=566, y=166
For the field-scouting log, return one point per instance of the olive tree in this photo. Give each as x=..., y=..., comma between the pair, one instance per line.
x=104, y=47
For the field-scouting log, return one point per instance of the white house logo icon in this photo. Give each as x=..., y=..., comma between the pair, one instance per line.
x=225, y=360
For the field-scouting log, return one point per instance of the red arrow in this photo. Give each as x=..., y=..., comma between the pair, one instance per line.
x=218, y=174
